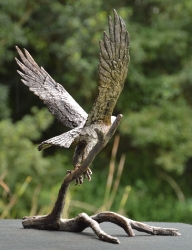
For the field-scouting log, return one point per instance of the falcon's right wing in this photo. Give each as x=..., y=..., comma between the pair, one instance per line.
x=59, y=102
x=113, y=67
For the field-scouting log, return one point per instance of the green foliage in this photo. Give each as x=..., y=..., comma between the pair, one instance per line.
x=166, y=128
x=4, y=109
x=156, y=102
x=18, y=154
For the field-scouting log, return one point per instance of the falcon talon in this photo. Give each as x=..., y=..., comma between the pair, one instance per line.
x=89, y=171
x=79, y=181
x=76, y=182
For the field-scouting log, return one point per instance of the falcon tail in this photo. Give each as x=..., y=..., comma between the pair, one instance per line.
x=64, y=140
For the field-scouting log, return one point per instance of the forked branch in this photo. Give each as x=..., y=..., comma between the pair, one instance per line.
x=82, y=221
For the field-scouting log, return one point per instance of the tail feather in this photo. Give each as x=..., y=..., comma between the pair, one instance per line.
x=64, y=140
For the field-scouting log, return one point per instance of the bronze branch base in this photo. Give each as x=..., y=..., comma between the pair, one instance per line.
x=82, y=221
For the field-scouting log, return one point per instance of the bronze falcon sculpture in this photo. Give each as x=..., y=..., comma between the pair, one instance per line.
x=113, y=66
x=90, y=133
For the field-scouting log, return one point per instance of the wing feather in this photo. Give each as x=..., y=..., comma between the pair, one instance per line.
x=59, y=102
x=113, y=67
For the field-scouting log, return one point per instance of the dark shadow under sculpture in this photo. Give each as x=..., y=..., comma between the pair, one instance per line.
x=90, y=133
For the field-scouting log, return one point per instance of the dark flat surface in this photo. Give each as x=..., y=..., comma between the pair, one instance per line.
x=14, y=237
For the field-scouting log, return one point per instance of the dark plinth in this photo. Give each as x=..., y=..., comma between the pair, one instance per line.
x=13, y=236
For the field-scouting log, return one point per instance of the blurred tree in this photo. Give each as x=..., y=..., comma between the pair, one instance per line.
x=4, y=108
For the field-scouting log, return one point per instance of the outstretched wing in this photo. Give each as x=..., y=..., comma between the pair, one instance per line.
x=57, y=99
x=113, y=67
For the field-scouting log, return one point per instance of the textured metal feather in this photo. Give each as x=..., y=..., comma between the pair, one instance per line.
x=64, y=140
x=113, y=67
x=59, y=102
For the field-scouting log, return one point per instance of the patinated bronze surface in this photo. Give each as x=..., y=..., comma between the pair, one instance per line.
x=90, y=133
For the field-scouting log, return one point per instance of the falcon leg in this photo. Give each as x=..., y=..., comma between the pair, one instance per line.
x=78, y=158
